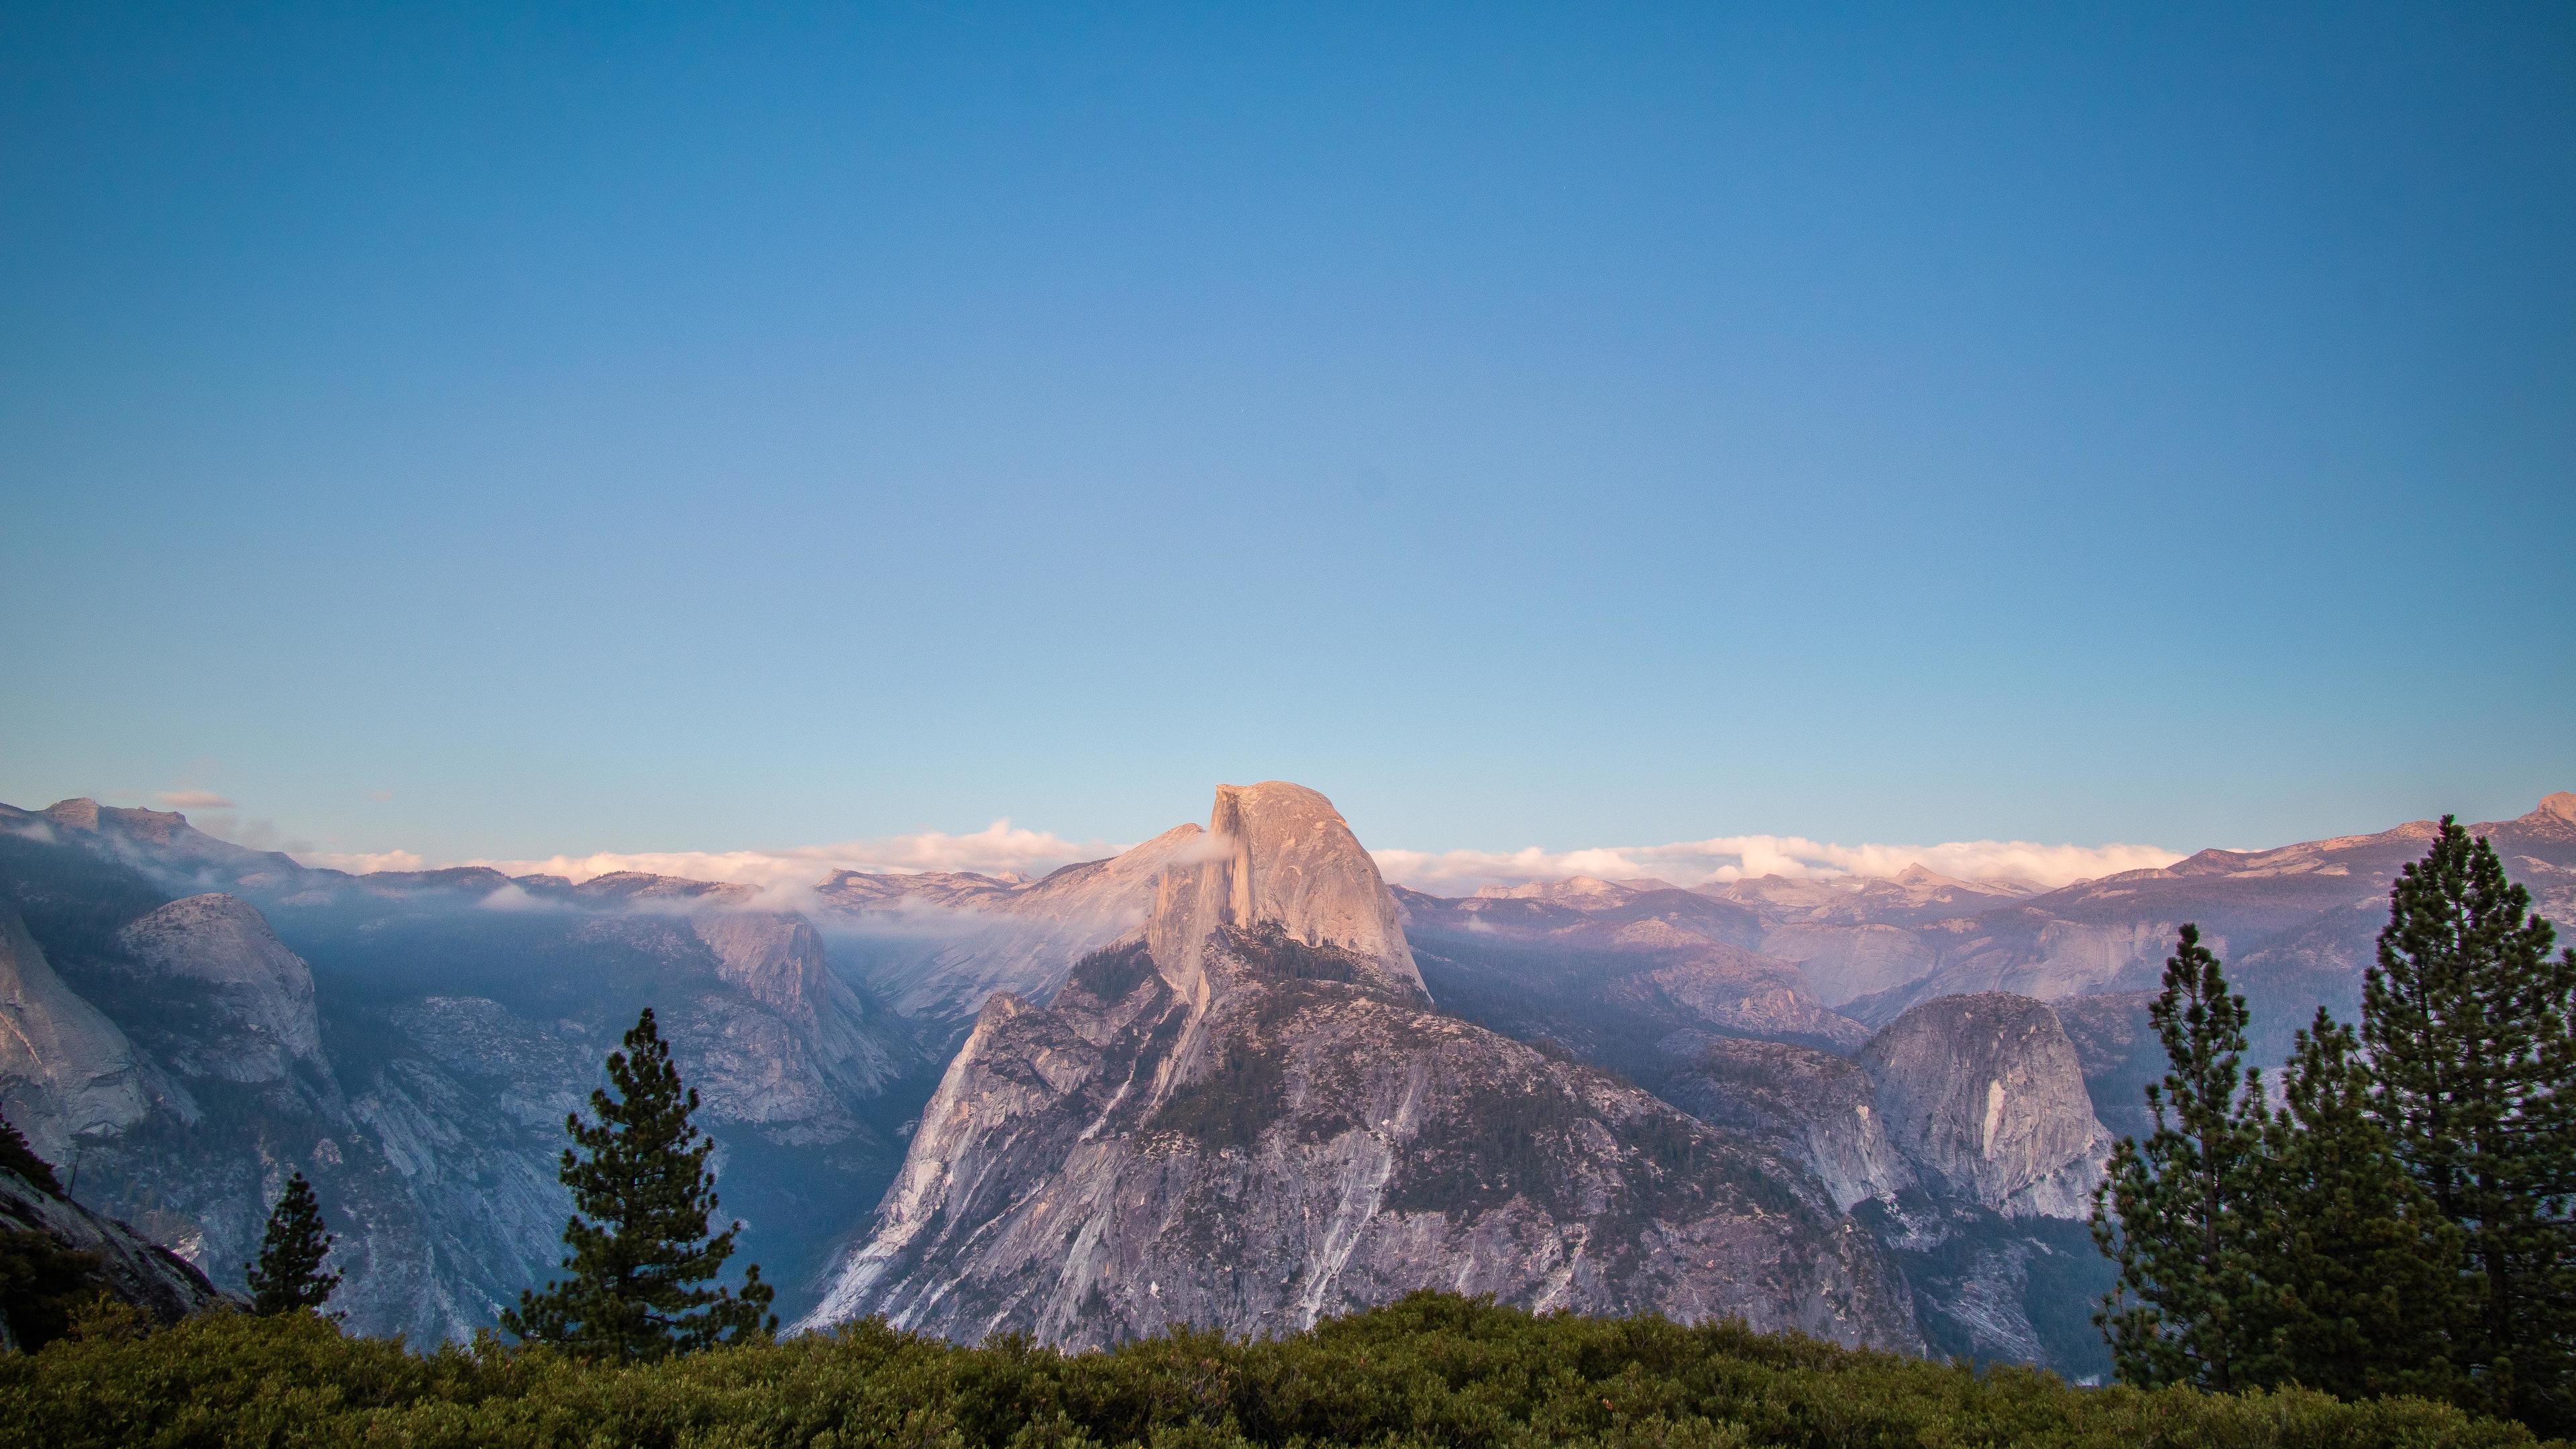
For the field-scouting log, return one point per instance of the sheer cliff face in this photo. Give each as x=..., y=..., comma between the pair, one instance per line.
x=1985, y=1095
x=1277, y=855
x=67, y=1075
x=1246, y=1116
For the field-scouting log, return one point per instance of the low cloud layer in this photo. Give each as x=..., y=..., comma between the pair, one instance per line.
x=365, y=862
x=195, y=800
x=998, y=849
x=1006, y=849
x=1743, y=857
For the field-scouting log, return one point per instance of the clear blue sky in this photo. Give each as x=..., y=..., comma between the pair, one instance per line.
x=642, y=427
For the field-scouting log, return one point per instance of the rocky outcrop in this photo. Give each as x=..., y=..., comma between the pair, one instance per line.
x=118, y=1261
x=257, y=996
x=1278, y=856
x=1985, y=1096
x=1264, y=1123
x=67, y=1074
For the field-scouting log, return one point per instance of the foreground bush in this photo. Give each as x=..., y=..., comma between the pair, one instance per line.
x=1429, y=1370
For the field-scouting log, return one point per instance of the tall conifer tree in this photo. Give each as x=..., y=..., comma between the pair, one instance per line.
x=2466, y=1016
x=642, y=1257
x=2363, y=1271
x=2182, y=1212
x=288, y=1277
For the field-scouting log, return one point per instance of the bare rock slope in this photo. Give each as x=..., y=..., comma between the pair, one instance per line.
x=121, y=1262
x=1247, y=1115
x=1984, y=1093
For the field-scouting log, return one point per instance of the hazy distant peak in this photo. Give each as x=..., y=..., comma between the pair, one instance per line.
x=79, y=814
x=83, y=813
x=1580, y=891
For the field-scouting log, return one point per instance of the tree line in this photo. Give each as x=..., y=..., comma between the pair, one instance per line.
x=2397, y=1218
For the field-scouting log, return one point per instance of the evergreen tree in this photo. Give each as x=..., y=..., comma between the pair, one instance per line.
x=2183, y=1213
x=288, y=1277
x=2363, y=1271
x=2466, y=1016
x=641, y=1256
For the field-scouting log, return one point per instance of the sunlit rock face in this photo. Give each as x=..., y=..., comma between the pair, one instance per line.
x=257, y=995
x=67, y=1075
x=1246, y=1116
x=1984, y=1094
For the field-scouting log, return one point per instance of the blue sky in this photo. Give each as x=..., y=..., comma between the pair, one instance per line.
x=639, y=428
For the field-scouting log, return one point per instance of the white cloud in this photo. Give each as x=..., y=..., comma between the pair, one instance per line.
x=195, y=800
x=362, y=862
x=1003, y=848
x=1742, y=857
x=997, y=848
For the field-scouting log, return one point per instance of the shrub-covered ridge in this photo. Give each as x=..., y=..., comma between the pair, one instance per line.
x=1429, y=1370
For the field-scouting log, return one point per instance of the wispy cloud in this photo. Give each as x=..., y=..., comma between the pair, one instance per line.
x=998, y=848
x=1743, y=857
x=195, y=800
x=362, y=862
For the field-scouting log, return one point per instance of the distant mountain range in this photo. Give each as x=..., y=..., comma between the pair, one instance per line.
x=1228, y=1076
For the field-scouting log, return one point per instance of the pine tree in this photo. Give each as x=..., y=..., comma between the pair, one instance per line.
x=2363, y=1272
x=288, y=1277
x=641, y=1255
x=2183, y=1212
x=2467, y=1018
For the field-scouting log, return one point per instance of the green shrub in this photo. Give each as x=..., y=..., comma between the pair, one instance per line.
x=1427, y=1370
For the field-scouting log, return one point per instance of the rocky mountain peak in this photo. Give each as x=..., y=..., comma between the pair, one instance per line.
x=2562, y=805
x=1276, y=855
x=221, y=946
x=77, y=814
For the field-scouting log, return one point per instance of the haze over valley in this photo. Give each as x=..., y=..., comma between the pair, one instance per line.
x=1229, y=1075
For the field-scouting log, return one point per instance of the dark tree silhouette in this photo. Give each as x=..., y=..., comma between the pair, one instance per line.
x=641, y=1257
x=2467, y=1018
x=2183, y=1211
x=288, y=1277
x=2363, y=1270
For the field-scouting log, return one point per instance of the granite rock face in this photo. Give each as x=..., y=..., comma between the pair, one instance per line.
x=67, y=1074
x=217, y=951
x=1985, y=1096
x=1964, y=1138
x=1246, y=1116
x=1819, y=1109
x=128, y=1267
